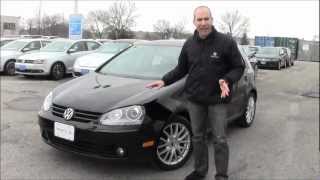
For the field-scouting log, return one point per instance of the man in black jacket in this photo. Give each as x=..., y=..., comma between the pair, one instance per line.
x=213, y=62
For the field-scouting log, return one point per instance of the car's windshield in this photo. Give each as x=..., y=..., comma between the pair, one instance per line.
x=14, y=45
x=143, y=61
x=250, y=49
x=57, y=46
x=268, y=51
x=6, y=41
x=112, y=47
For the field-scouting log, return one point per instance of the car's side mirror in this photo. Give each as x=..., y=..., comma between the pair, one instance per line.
x=71, y=51
x=25, y=49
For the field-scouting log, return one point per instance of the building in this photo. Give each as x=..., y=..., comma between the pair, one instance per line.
x=9, y=25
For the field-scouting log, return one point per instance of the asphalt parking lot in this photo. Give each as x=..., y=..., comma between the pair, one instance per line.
x=283, y=142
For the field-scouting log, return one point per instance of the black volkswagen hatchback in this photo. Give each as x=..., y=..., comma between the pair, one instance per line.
x=110, y=113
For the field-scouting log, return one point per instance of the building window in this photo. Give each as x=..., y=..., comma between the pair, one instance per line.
x=10, y=26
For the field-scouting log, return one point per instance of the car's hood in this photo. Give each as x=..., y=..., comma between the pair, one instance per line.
x=42, y=55
x=266, y=56
x=9, y=54
x=93, y=59
x=100, y=93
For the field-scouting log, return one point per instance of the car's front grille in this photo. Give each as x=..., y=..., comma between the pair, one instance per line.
x=28, y=61
x=81, y=145
x=79, y=115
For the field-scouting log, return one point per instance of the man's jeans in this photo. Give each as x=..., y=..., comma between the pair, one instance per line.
x=200, y=115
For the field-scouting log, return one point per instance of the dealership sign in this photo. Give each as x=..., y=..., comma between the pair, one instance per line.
x=75, y=26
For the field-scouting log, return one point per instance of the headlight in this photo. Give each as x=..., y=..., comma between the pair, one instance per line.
x=39, y=61
x=47, y=102
x=132, y=115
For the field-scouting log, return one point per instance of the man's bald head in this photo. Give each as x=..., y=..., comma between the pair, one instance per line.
x=201, y=8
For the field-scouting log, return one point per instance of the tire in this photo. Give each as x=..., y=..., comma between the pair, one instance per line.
x=57, y=71
x=289, y=63
x=279, y=66
x=247, y=117
x=10, y=68
x=174, y=146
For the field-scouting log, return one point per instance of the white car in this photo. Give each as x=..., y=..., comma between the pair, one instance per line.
x=56, y=59
x=90, y=62
x=12, y=50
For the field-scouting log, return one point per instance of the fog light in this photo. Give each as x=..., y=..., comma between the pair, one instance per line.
x=120, y=151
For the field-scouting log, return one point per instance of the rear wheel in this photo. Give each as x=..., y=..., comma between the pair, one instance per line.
x=57, y=71
x=248, y=116
x=174, y=144
x=9, y=68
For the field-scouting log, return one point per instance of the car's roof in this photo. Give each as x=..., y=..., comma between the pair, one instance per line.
x=126, y=40
x=72, y=40
x=31, y=39
x=171, y=42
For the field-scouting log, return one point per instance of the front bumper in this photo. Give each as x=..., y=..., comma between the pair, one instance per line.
x=32, y=69
x=267, y=64
x=96, y=141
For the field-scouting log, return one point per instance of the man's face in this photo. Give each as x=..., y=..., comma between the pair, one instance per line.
x=203, y=22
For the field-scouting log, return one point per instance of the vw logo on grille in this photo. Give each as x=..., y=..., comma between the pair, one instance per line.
x=68, y=113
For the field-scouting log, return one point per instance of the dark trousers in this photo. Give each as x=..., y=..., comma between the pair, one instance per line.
x=201, y=117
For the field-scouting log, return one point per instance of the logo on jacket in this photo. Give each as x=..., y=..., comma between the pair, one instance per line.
x=68, y=113
x=214, y=55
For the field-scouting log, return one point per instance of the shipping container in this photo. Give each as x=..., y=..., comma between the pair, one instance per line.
x=263, y=41
x=291, y=43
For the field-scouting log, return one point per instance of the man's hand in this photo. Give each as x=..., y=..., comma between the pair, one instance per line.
x=156, y=84
x=224, y=88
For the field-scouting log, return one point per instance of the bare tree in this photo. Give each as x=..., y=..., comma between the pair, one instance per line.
x=122, y=18
x=179, y=30
x=51, y=25
x=97, y=22
x=234, y=24
x=162, y=27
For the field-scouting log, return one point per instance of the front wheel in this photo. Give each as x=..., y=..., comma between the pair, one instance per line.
x=9, y=68
x=57, y=71
x=174, y=146
x=248, y=116
x=279, y=66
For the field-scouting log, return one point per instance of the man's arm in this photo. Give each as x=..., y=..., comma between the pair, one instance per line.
x=236, y=64
x=179, y=71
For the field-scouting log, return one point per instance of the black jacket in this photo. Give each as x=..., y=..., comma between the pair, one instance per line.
x=206, y=61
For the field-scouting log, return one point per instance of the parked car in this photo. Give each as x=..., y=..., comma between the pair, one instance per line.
x=110, y=113
x=272, y=57
x=90, y=62
x=250, y=52
x=56, y=59
x=11, y=51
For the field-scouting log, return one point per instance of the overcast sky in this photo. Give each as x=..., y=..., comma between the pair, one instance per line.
x=267, y=18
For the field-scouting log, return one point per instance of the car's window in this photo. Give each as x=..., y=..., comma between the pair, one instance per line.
x=113, y=48
x=79, y=46
x=244, y=57
x=144, y=61
x=57, y=46
x=14, y=45
x=45, y=43
x=268, y=51
x=92, y=45
x=34, y=45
